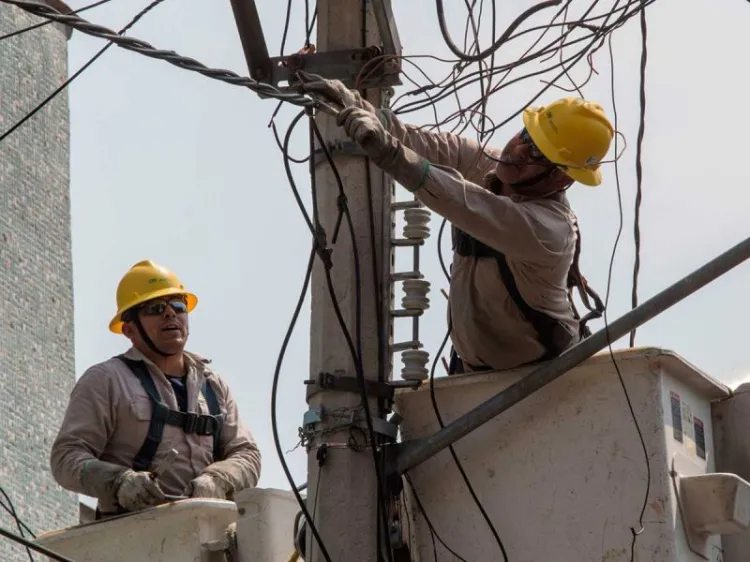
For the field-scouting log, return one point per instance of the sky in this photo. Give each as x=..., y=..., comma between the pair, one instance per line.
x=172, y=166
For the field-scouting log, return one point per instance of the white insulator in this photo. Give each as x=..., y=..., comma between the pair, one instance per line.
x=415, y=365
x=417, y=221
x=415, y=294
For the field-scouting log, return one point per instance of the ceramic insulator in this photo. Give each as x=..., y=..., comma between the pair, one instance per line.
x=415, y=365
x=416, y=223
x=415, y=294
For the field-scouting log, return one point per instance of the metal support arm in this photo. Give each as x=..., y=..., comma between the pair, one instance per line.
x=407, y=455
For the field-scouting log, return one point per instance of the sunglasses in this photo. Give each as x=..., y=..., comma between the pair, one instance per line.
x=157, y=307
x=536, y=154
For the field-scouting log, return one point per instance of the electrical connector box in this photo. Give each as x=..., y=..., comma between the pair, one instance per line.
x=563, y=474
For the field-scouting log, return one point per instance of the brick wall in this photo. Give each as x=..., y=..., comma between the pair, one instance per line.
x=36, y=285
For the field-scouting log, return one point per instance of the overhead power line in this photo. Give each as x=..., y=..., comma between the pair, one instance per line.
x=148, y=50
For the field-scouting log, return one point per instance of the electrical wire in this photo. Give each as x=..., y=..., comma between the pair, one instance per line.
x=80, y=71
x=429, y=522
x=11, y=509
x=355, y=350
x=274, y=396
x=639, y=166
x=28, y=544
x=634, y=532
x=47, y=22
x=146, y=49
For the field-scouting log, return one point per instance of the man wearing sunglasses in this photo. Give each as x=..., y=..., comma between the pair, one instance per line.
x=127, y=414
x=515, y=238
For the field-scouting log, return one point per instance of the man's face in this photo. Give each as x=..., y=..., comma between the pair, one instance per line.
x=524, y=169
x=165, y=321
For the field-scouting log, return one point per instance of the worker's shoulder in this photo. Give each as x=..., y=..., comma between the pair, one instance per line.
x=205, y=365
x=108, y=369
x=551, y=213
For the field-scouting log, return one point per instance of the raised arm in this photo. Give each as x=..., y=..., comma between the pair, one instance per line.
x=443, y=149
x=519, y=231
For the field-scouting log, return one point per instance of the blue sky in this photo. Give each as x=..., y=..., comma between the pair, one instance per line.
x=171, y=166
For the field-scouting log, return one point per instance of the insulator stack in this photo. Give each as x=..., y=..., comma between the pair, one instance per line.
x=415, y=300
x=417, y=223
x=415, y=365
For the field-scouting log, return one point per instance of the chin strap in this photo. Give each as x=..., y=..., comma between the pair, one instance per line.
x=147, y=339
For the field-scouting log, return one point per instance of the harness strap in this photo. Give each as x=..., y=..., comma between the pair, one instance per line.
x=550, y=332
x=161, y=414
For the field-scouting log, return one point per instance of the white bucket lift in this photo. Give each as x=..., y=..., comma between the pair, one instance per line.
x=193, y=530
x=563, y=476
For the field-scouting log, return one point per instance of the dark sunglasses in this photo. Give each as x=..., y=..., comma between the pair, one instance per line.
x=157, y=308
x=533, y=148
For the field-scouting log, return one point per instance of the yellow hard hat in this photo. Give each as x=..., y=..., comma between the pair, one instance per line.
x=572, y=133
x=144, y=281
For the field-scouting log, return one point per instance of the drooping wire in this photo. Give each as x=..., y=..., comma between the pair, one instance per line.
x=634, y=532
x=11, y=509
x=639, y=166
x=274, y=394
x=80, y=71
x=428, y=521
x=355, y=350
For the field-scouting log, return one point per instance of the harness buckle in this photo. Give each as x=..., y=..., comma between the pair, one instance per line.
x=190, y=422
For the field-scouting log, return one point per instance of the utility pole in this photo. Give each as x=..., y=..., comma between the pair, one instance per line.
x=343, y=490
x=342, y=481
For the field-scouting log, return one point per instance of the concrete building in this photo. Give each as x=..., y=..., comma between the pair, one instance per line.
x=36, y=279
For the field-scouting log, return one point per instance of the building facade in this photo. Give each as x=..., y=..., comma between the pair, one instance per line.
x=37, y=370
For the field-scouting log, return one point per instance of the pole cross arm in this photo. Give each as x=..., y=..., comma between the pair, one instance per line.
x=370, y=67
x=407, y=455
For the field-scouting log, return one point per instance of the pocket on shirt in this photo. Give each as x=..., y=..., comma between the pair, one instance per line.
x=141, y=411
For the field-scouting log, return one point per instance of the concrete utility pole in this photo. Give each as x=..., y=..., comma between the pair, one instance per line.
x=342, y=491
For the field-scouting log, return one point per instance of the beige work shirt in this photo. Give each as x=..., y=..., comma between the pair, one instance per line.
x=537, y=237
x=108, y=418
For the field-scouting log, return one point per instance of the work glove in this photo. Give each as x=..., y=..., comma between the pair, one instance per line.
x=206, y=486
x=384, y=150
x=137, y=490
x=332, y=91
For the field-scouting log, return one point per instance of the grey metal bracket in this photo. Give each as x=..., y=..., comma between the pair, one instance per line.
x=377, y=69
x=383, y=64
x=350, y=148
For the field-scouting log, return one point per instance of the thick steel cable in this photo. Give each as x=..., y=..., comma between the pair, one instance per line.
x=146, y=49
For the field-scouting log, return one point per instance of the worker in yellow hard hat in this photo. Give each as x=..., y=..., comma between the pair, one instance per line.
x=155, y=422
x=515, y=239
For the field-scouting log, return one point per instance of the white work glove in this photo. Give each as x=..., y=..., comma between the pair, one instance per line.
x=136, y=490
x=332, y=91
x=365, y=128
x=206, y=486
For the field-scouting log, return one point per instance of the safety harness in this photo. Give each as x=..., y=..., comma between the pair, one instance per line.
x=161, y=415
x=551, y=333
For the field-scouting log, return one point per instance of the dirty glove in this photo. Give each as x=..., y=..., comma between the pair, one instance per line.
x=332, y=91
x=405, y=166
x=99, y=479
x=136, y=490
x=206, y=486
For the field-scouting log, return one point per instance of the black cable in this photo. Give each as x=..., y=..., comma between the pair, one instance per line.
x=382, y=503
x=274, y=394
x=287, y=21
x=460, y=467
x=80, y=71
x=28, y=544
x=357, y=357
x=47, y=22
x=639, y=167
x=606, y=320
x=11, y=509
x=497, y=44
x=427, y=520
